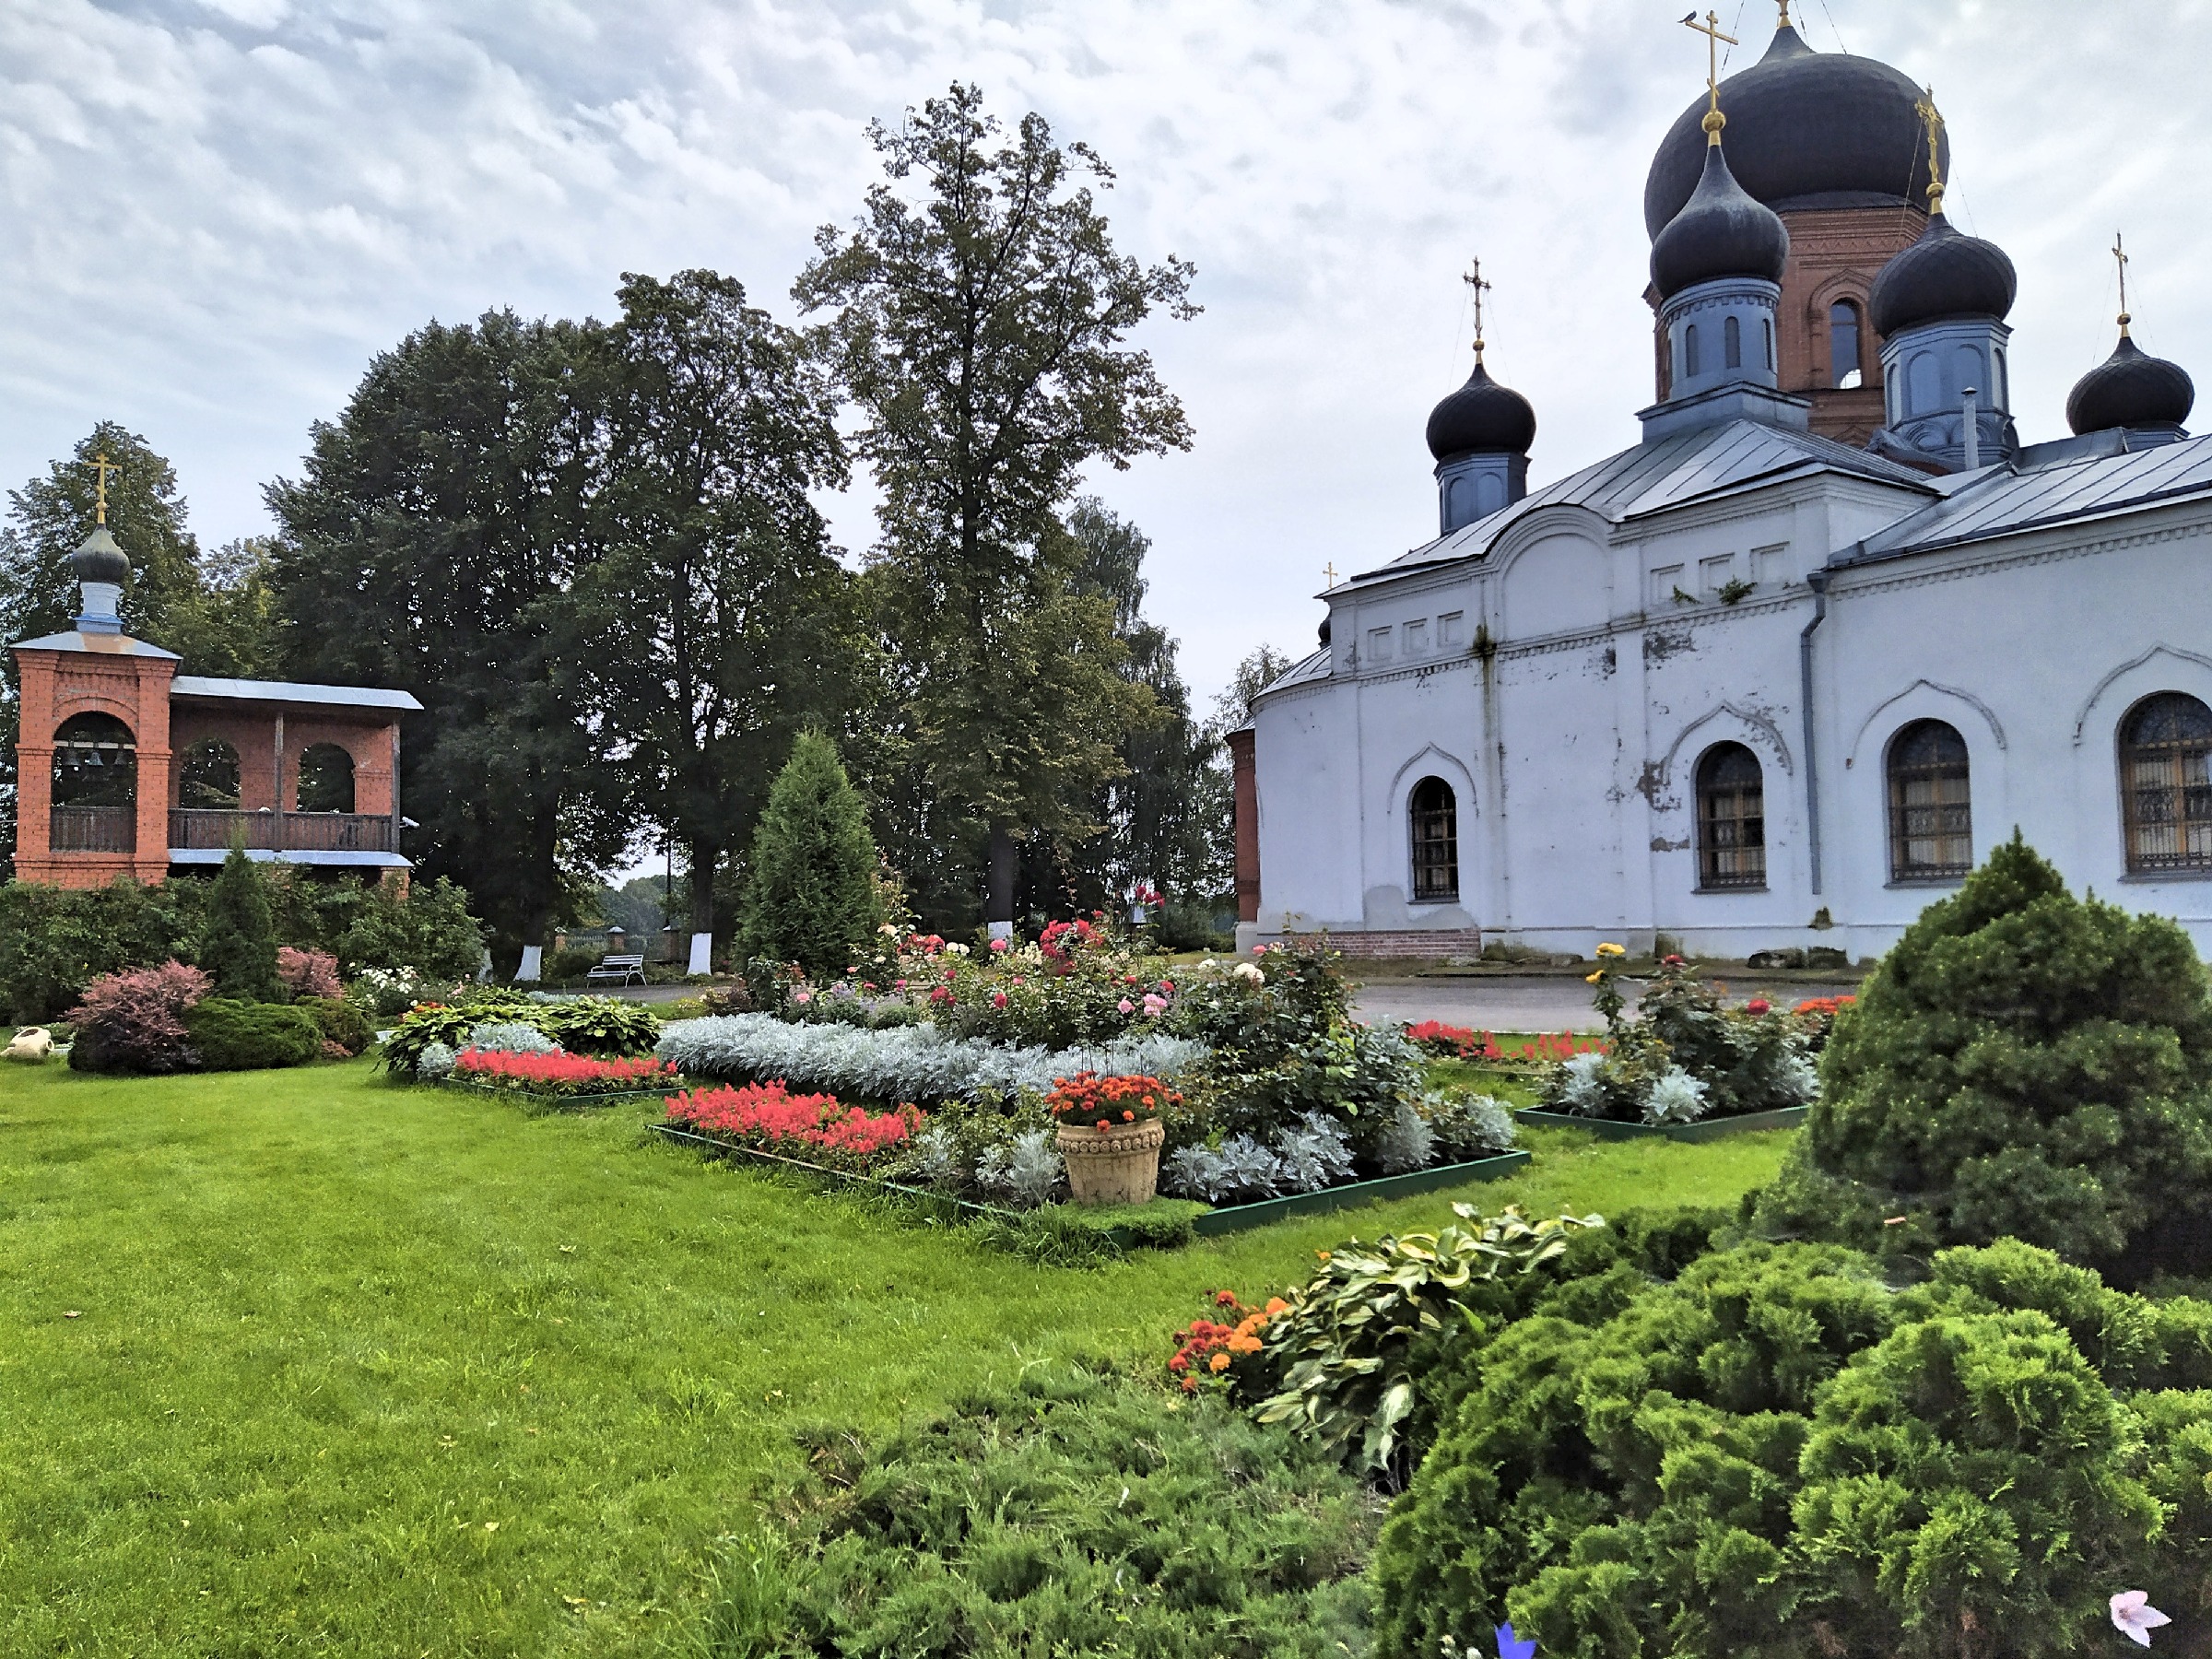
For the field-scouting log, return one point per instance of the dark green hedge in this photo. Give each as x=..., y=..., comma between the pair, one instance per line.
x=242, y=1036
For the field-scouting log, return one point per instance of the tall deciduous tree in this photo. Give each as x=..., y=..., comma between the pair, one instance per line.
x=979, y=314
x=431, y=545
x=721, y=619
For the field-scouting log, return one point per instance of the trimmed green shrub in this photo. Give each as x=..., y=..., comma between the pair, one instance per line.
x=1779, y=1454
x=812, y=898
x=239, y=946
x=55, y=941
x=341, y=1023
x=1070, y=1513
x=231, y=1034
x=2024, y=1063
x=369, y=925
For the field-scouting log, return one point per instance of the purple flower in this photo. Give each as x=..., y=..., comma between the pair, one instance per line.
x=1510, y=1646
x=2134, y=1617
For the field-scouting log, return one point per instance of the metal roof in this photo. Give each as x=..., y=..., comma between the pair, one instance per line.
x=1651, y=478
x=1315, y=667
x=285, y=691
x=2010, y=499
x=110, y=645
x=326, y=858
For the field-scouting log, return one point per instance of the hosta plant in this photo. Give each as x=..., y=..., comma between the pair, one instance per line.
x=1343, y=1345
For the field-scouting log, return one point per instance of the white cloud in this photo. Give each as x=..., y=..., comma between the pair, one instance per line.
x=221, y=209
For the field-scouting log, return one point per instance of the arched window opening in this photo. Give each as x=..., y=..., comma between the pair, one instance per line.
x=95, y=787
x=1690, y=351
x=1732, y=818
x=95, y=762
x=1731, y=342
x=1843, y=344
x=325, y=779
x=1923, y=385
x=1766, y=327
x=1434, y=812
x=1931, y=819
x=208, y=777
x=2004, y=397
x=2166, y=783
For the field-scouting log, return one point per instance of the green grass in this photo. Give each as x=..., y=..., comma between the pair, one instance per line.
x=297, y=1362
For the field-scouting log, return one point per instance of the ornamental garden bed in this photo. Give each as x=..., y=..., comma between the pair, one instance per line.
x=1704, y=1129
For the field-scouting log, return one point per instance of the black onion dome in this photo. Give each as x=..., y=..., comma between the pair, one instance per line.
x=2131, y=388
x=1719, y=232
x=1806, y=129
x=1944, y=274
x=1481, y=418
x=98, y=559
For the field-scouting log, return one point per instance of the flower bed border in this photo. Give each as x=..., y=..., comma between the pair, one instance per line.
x=1237, y=1217
x=1704, y=1129
x=536, y=1101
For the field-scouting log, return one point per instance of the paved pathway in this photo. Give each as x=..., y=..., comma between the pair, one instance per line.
x=1534, y=1004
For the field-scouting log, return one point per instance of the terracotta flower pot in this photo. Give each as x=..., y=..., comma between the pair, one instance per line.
x=1113, y=1166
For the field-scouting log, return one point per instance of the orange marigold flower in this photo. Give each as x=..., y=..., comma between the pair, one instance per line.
x=1276, y=1304
x=1219, y=1362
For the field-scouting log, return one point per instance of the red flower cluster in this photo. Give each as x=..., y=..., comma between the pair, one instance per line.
x=1109, y=1102
x=1207, y=1349
x=1062, y=941
x=1824, y=1006
x=772, y=1113
x=1461, y=1043
x=564, y=1073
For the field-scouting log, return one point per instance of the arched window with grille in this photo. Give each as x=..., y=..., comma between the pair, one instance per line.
x=1434, y=815
x=1731, y=342
x=1931, y=818
x=1843, y=344
x=2166, y=783
x=1689, y=352
x=1732, y=818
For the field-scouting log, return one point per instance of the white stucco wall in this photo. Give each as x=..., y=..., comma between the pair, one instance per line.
x=1575, y=694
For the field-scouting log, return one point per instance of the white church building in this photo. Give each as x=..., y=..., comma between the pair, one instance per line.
x=1782, y=673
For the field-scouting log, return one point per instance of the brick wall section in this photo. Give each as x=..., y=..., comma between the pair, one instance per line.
x=56, y=684
x=1247, y=796
x=1409, y=943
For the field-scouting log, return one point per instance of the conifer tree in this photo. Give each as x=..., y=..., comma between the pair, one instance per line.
x=238, y=947
x=811, y=895
x=2024, y=1063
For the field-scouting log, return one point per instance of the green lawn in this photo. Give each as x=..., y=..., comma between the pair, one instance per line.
x=302, y=1363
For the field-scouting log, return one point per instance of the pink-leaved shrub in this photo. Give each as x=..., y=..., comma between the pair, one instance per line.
x=307, y=972
x=135, y=1021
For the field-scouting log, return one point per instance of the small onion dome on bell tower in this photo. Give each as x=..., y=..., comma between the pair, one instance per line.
x=2131, y=389
x=1721, y=231
x=1481, y=417
x=1944, y=274
x=98, y=559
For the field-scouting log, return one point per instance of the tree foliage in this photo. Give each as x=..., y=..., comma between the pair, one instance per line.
x=978, y=314
x=721, y=620
x=811, y=895
x=430, y=545
x=2023, y=1063
x=237, y=949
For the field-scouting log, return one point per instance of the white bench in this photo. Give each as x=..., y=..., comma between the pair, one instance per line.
x=621, y=970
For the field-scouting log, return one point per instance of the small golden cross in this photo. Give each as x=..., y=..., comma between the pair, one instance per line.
x=102, y=466
x=2120, y=258
x=1475, y=281
x=1328, y=573
x=1710, y=30
x=1929, y=118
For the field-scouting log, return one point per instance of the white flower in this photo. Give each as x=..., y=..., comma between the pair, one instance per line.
x=1248, y=971
x=2134, y=1617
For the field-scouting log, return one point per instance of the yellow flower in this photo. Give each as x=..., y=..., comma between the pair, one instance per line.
x=1610, y=950
x=1591, y=979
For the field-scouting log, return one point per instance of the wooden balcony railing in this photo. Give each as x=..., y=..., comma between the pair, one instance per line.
x=213, y=829
x=94, y=830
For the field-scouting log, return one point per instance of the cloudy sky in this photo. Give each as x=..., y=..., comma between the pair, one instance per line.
x=218, y=210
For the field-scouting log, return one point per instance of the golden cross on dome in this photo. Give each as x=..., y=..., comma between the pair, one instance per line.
x=1710, y=30
x=1933, y=121
x=1328, y=573
x=1474, y=280
x=2120, y=258
x=102, y=466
